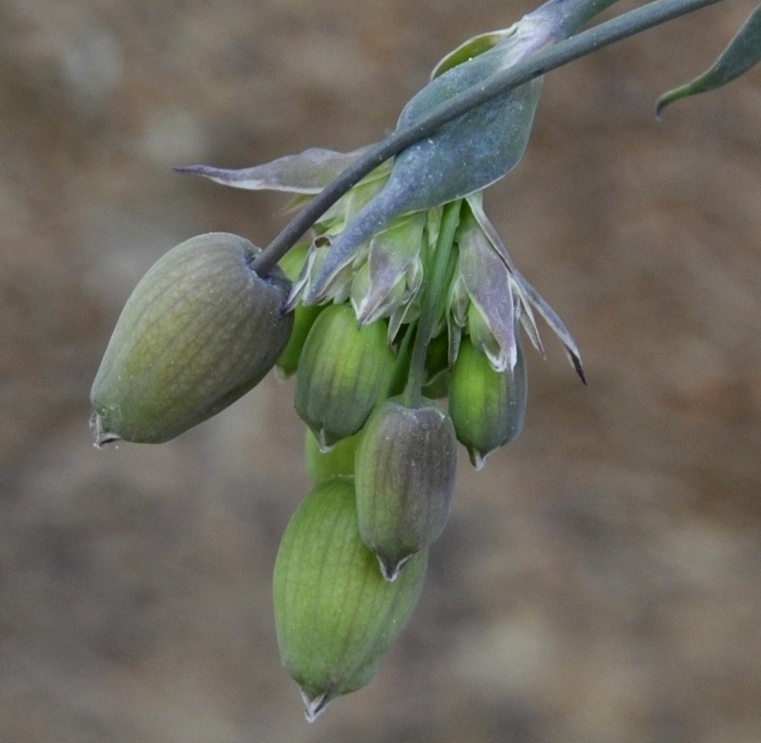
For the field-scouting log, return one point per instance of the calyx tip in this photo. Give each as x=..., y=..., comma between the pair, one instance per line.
x=314, y=706
x=390, y=568
x=101, y=435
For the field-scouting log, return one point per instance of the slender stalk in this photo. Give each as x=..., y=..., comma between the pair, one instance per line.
x=548, y=59
x=573, y=13
x=430, y=305
x=401, y=367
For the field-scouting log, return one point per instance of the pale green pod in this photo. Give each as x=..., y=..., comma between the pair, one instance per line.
x=338, y=462
x=335, y=615
x=405, y=477
x=343, y=372
x=488, y=408
x=199, y=331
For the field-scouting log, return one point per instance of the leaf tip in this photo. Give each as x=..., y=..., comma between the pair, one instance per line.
x=192, y=169
x=662, y=102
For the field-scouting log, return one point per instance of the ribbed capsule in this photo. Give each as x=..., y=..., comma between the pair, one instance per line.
x=343, y=371
x=405, y=476
x=198, y=332
x=335, y=615
x=488, y=408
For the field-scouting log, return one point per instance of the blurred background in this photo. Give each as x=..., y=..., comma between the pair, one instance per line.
x=599, y=581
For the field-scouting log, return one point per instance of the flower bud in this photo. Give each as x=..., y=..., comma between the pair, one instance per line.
x=335, y=615
x=338, y=462
x=488, y=408
x=198, y=332
x=343, y=371
x=405, y=475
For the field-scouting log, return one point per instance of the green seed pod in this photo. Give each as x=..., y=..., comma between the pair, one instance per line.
x=488, y=408
x=405, y=475
x=198, y=332
x=338, y=462
x=303, y=317
x=343, y=372
x=335, y=615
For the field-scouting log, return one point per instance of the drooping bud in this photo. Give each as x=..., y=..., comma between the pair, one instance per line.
x=343, y=372
x=405, y=475
x=338, y=462
x=303, y=317
x=198, y=332
x=488, y=408
x=335, y=615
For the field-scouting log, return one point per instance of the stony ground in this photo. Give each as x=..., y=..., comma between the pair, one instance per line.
x=600, y=579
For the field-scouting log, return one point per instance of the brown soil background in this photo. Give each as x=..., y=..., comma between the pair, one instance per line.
x=599, y=580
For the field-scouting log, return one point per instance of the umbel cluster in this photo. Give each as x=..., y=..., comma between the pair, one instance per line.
x=401, y=296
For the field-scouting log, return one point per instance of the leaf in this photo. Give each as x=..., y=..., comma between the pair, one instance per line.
x=743, y=52
x=463, y=156
x=471, y=48
x=306, y=173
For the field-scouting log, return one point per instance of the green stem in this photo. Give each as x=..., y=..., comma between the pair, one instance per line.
x=401, y=367
x=548, y=59
x=430, y=304
x=572, y=14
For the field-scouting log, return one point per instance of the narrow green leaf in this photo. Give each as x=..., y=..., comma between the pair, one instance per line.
x=471, y=48
x=743, y=52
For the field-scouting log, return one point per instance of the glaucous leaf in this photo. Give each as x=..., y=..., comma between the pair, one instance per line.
x=306, y=173
x=743, y=52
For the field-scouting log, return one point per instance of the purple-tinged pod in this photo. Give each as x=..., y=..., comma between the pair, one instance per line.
x=198, y=332
x=335, y=616
x=405, y=476
x=343, y=372
x=488, y=408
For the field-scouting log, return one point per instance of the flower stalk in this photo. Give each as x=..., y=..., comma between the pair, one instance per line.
x=429, y=313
